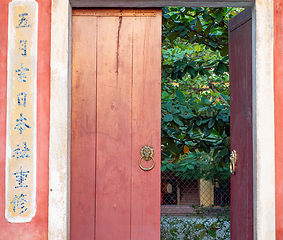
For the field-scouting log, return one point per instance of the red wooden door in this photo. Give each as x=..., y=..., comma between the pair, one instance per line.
x=116, y=106
x=240, y=51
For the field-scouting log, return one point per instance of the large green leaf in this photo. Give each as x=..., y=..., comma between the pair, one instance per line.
x=168, y=118
x=221, y=68
x=207, y=131
x=219, y=16
x=164, y=95
x=199, y=25
x=180, y=96
x=211, y=123
x=212, y=233
x=202, y=234
x=223, y=152
x=177, y=120
x=172, y=147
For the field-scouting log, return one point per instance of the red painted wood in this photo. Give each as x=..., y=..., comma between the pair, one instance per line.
x=113, y=175
x=83, y=129
x=146, y=127
x=38, y=227
x=240, y=51
x=278, y=114
x=116, y=68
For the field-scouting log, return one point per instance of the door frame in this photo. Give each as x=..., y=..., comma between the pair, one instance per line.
x=263, y=108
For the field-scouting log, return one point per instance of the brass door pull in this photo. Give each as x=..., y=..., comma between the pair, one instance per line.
x=233, y=160
x=147, y=153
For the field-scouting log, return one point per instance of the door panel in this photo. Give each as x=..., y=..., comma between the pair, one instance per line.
x=116, y=64
x=240, y=51
x=146, y=127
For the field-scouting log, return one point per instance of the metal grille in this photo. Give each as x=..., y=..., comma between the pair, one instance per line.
x=194, y=208
x=181, y=196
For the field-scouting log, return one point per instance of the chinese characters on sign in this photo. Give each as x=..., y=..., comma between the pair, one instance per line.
x=22, y=73
x=18, y=153
x=20, y=204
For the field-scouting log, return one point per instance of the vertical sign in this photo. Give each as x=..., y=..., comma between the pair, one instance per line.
x=20, y=183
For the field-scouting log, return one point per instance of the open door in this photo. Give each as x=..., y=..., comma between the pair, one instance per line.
x=116, y=106
x=240, y=52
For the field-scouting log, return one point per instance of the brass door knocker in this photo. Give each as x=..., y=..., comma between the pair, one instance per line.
x=147, y=153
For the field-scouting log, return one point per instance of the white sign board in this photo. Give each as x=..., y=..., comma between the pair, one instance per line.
x=20, y=187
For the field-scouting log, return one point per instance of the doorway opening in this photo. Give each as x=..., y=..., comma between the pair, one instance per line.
x=116, y=70
x=59, y=173
x=195, y=127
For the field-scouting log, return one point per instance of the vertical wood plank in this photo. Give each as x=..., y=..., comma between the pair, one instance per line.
x=83, y=144
x=113, y=166
x=146, y=125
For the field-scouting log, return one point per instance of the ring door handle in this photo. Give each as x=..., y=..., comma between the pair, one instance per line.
x=147, y=153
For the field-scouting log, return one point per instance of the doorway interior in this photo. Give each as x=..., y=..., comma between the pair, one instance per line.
x=195, y=163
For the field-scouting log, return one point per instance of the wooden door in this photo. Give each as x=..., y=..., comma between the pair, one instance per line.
x=240, y=51
x=116, y=108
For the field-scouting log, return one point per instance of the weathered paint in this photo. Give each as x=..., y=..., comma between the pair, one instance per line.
x=37, y=227
x=146, y=126
x=59, y=150
x=263, y=121
x=241, y=125
x=116, y=76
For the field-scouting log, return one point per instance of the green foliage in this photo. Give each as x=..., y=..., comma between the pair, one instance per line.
x=198, y=226
x=195, y=92
x=196, y=166
x=195, y=135
x=195, y=44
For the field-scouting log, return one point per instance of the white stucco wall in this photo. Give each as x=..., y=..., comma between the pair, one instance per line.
x=59, y=148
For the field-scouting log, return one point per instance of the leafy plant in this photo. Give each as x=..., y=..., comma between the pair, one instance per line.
x=196, y=166
x=195, y=134
x=195, y=91
x=198, y=226
x=206, y=31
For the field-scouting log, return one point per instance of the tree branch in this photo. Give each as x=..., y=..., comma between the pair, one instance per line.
x=214, y=89
x=215, y=20
x=210, y=86
x=207, y=37
x=199, y=89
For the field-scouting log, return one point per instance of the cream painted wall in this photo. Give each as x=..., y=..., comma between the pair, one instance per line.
x=59, y=147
